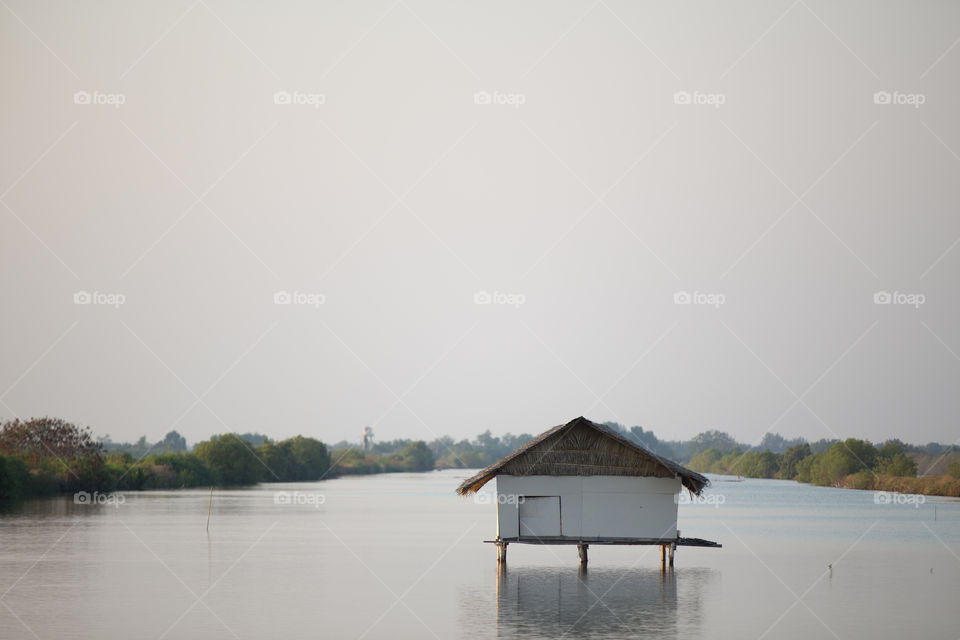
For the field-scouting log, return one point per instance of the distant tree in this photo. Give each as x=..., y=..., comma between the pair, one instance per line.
x=171, y=442
x=14, y=479
x=310, y=456
x=470, y=459
x=772, y=442
x=66, y=456
x=776, y=443
x=703, y=462
x=862, y=451
x=650, y=442
x=891, y=448
x=899, y=464
x=418, y=455
x=821, y=446
x=255, y=439
x=953, y=469
x=934, y=448
x=175, y=470
x=513, y=442
x=791, y=457
x=231, y=460
x=840, y=460
x=805, y=467
x=892, y=460
x=388, y=446
x=279, y=464
x=713, y=439
x=758, y=464
x=48, y=438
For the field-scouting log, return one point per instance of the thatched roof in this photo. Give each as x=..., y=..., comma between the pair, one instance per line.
x=584, y=448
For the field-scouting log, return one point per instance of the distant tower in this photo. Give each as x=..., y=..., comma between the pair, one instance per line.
x=367, y=438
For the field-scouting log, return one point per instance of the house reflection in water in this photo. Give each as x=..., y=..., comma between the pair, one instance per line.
x=598, y=603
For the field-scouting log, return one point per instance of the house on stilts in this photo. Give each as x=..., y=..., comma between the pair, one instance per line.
x=583, y=483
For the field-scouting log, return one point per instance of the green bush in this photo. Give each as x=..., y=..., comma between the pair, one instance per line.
x=757, y=464
x=703, y=462
x=805, y=468
x=230, y=460
x=898, y=465
x=791, y=458
x=862, y=479
x=14, y=479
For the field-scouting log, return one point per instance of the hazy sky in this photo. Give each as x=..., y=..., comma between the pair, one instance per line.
x=584, y=163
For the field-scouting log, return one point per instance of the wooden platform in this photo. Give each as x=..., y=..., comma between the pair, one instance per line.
x=680, y=542
x=668, y=546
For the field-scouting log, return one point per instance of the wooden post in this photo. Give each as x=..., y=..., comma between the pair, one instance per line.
x=501, y=553
x=209, y=507
x=663, y=557
x=673, y=550
x=582, y=552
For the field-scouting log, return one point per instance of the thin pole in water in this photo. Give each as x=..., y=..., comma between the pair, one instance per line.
x=209, y=507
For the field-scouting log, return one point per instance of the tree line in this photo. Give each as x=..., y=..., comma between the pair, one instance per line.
x=47, y=456
x=44, y=456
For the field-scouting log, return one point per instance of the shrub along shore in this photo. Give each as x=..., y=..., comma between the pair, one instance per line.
x=945, y=485
x=849, y=464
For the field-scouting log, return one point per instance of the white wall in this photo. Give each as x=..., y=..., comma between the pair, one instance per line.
x=595, y=506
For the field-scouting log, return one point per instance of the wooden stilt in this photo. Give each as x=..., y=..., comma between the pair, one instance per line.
x=673, y=550
x=582, y=552
x=663, y=556
x=209, y=508
x=501, y=553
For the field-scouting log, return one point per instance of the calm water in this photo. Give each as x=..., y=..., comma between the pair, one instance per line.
x=401, y=556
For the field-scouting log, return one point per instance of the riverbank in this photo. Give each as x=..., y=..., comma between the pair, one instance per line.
x=944, y=485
